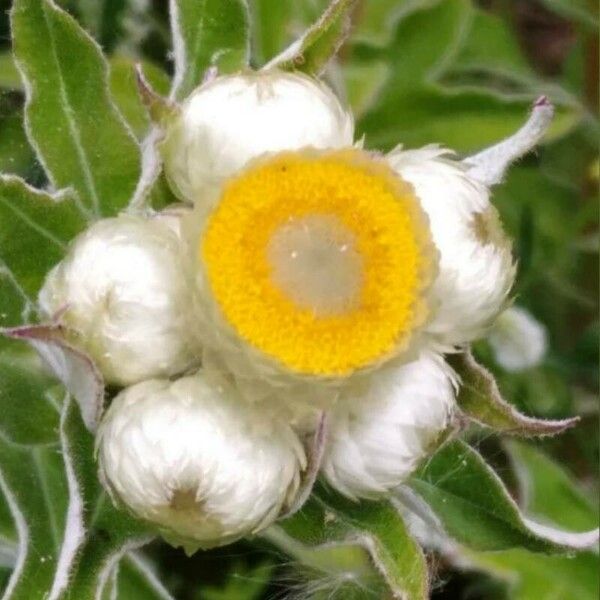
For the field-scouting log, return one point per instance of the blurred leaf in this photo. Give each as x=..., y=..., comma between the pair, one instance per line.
x=549, y=492
x=581, y=11
x=476, y=509
x=480, y=399
x=136, y=580
x=213, y=33
x=77, y=132
x=125, y=93
x=35, y=228
x=491, y=44
x=416, y=106
x=102, y=19
x=537, y=577
x=320, y=42
x=329, y=518
x=271, y=24
x=242, y=584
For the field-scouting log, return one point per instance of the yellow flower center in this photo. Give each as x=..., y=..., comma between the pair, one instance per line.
x=320, y=260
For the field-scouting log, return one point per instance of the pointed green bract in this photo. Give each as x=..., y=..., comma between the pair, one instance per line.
x=328, y=518
x=311, y=53
x=79, y=135
x=480, y=399
x=207, y=33
x=476, y=509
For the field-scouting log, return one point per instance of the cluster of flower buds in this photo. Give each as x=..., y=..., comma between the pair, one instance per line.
x=301, y=276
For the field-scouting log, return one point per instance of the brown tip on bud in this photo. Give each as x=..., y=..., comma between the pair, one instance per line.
x=159, y=108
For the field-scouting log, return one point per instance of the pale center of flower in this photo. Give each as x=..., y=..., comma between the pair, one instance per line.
x=316, y=264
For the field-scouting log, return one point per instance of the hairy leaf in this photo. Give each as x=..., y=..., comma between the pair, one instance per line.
x=377, y=527
x=35, y=228
x=207, y=33
x=476, y=509
x=79, y=136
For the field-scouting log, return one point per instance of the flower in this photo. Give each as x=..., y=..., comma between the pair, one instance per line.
x=476, y=270
x=518, y=340
x=232, y=119
x=189, y=457
x=319, y=285
x=381, y=430
x=121, y=289
x=313, y=264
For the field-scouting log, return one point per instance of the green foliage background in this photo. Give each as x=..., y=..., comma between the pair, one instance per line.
x=454, y=72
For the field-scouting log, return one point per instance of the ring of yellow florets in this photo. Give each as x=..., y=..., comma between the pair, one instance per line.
x=372, y=235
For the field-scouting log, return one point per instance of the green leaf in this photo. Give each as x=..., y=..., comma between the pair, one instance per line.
x=34, y=486
x=271, y=20
x=79, y=136
x=417, y=106
x=242, y=584
x=35, y=228
x=311, y=53
x=328, y=518
x=480, y=399
x=207, y=33
x=25, y=390
x=465, y=121
x=549, y=492
x=16, y=155
x=537, y=577
x=476, y=509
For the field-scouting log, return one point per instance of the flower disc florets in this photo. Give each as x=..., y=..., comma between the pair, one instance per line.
x=317, y=262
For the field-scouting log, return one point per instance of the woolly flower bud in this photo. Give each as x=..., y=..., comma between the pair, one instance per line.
x=191, y=458
x=518, y=340
x=476, y=270
x=121, y=290
x=230, y=120
x=381, y=430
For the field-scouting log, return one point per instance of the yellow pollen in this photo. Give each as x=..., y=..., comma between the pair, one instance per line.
x=320, y=260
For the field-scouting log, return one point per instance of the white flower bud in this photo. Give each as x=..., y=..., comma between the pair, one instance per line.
x=233, y=119
x=121, y=289
x=381, y=430
x=476, y=270
x=519, y=341
x=196, y=461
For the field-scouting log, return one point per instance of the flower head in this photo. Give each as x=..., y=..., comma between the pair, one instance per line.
x=121, y=290
x=317, y=262
x=383, y=428
x=229, y=121
x=193, y=460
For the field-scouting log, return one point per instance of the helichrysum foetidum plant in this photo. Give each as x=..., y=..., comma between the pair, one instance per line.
x=287, y=341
